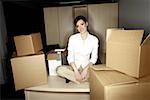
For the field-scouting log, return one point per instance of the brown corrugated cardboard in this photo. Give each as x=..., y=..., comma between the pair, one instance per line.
x=113, y=85
x=28, y=44
x=125, y=53
x=57, y=89
x=29, y=71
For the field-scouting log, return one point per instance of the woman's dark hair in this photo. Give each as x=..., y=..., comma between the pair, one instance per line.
x=79, y=18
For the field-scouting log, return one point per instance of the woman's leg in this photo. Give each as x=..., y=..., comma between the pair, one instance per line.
x=66, y=72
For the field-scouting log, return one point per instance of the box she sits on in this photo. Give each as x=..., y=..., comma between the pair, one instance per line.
x=58, y=89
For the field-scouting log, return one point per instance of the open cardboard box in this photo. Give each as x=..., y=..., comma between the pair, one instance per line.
x=28, y=44
x=109, y=84
x=54, y=60
x=29, y=70
x=126, y=52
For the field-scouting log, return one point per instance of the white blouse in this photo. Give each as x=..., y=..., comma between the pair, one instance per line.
x=82, y=52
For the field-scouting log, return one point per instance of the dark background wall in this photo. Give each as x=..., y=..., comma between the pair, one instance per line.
x=23, y=18
x=135, y=14
x=20, y=18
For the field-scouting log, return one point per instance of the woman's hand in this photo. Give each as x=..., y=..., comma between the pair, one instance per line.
x=76, y=72
x=78, y=76
x=84, y=74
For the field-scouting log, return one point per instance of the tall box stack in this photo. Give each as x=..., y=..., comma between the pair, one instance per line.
x=28, y=65
x=126, y=75
x=127, y=53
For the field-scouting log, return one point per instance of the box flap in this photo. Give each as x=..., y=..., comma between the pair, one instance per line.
x=125, y=36
x=37, y=41
x=112, y=77
x=147, y=40
x=123, y=50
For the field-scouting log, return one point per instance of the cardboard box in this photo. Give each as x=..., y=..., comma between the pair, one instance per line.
x=28, y=44
x=113, y=85
x=29, y=71
x=57, y=89
x=127, y=53
x=54, y=60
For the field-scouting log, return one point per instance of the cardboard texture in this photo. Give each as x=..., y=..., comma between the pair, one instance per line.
x=126, y=53
x=28, y=44
x=54, y=60
x=57, y=89
x=29, y=71
x=113, y=85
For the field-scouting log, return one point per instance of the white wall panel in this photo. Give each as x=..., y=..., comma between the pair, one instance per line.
x=65, y=24
x=51, y=25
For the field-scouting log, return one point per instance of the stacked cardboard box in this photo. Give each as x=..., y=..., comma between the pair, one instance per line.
x=28, y=65
x=28, y=44
x=29, y=71
x=126, y=75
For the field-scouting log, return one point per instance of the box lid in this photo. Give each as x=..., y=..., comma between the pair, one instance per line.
x=125, y=36
x=112, y=77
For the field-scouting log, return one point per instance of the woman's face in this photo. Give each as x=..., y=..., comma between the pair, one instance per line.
x=81, y=26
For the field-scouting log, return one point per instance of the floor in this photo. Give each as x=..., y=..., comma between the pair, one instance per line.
x=7, y=90
x=8, y=93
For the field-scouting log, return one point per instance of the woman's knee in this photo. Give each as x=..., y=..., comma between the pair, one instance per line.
x=60, y=69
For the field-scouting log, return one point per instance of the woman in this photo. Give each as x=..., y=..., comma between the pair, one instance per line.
x=82, y=53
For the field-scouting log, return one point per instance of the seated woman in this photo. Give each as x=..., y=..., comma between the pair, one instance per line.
x=82, y=53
